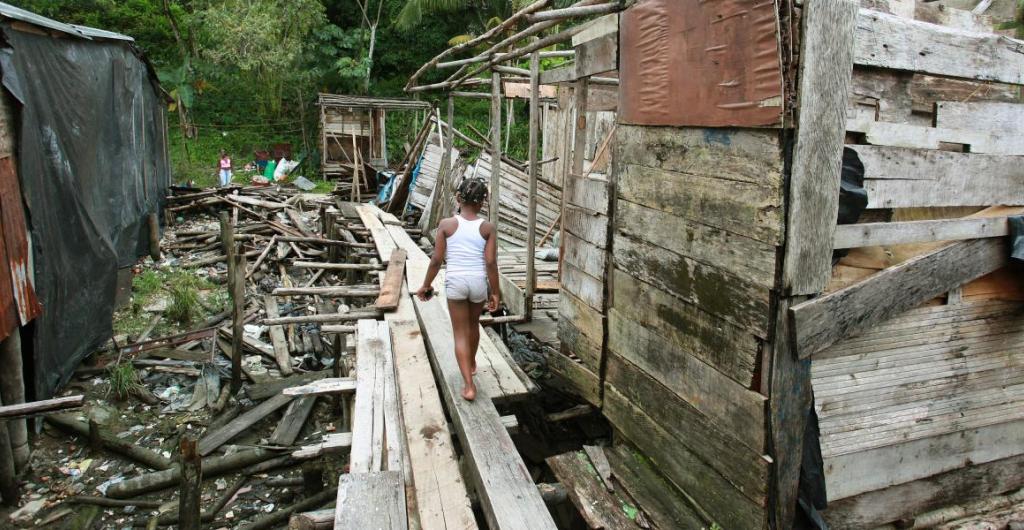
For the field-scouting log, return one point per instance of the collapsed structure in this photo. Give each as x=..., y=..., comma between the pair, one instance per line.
x=751, y=330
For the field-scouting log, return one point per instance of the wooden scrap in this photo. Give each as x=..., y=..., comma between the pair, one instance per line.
x=371, y=500
x=217, y=438
x=212, y=467
x=277, y=339
x=331, y=443
x=324, y=386
x=391, y=285
x=41, y=407
x=291, y=423
x=599, y=508
x=272, y=388
x=600, y=462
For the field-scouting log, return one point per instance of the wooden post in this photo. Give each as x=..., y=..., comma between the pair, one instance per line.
x=237, y=292
x=579, y=146
x=95, y=437
x=12, y=392
x=446, y=147
x=495, y=146
x=154, y=236
x=8, y=476
x=190, y=491
x=237, y=319
x=531, y=213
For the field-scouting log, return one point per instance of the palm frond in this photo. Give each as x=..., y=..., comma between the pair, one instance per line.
x=411, y=14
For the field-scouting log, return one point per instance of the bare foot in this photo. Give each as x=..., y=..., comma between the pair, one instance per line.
x=469, y=392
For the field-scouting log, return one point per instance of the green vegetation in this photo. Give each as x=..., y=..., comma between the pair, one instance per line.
x=244, y=74
x=123, y=379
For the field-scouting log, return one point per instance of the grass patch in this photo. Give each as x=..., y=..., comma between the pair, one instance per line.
x=123, y=379
x=184, y=307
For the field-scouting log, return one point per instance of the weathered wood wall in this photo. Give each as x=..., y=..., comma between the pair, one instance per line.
x=932, y=396
x=698, y=218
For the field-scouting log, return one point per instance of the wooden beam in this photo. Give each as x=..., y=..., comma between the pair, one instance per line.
x=371, y=500
x=908, y=178
x=820, y=322
x=889, y=41
x=531, y=194
x=494, y=204
x=574, y=12
x=277, y=339
x=330, y=385
x=899, y=233
x=826, y=68
x=219, y=437
x=391, y=285
x=40, y=407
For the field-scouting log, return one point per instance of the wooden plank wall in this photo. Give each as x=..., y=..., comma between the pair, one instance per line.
x=935, y=393
x=698, y=219
x=583, y=290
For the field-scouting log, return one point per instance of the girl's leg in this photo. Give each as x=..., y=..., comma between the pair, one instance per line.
x=474, y=330
x=459, y=312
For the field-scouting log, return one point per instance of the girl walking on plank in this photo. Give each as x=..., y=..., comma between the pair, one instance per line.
x=469, y=245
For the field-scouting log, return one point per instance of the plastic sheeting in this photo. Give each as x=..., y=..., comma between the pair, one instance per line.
x=1017, y=237
x=91, y=152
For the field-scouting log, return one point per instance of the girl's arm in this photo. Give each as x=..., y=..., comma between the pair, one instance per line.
x=491, y=259
x=436, y=259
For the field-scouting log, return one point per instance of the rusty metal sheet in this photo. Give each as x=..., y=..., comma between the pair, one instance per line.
x=18, y=302
x=700, y=63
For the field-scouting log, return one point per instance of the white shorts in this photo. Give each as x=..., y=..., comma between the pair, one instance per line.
x=472, y=288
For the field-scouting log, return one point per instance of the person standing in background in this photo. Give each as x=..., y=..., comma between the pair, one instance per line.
x=225, y=168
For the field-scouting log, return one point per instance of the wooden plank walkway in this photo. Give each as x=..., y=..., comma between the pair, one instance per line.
x=371, y=501
x=508, y=495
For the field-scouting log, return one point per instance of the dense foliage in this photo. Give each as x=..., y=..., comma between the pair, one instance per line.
x=244, y=74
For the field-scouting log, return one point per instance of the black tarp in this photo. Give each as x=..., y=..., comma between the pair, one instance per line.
x=93, y=163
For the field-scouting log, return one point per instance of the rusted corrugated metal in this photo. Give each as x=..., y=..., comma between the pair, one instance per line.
x=18, y=302
x=700, y=63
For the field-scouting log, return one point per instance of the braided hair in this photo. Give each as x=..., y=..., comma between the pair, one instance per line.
x=472, y=191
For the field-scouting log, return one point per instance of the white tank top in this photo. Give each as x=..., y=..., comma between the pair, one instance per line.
x=465, y=249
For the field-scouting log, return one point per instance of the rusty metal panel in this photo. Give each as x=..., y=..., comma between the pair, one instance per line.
x=18, y=302
x=700, y=63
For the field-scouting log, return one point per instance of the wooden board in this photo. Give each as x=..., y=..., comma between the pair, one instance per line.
x=826, y=64
x=821, y=322
x=294, y=418
x=894, y=42
x=219, y=437
x=875, y=234
x=749, y=259
x=736, y=455
x=726, y=403
x=855, y=473
x=600, y=508
x=727, y=179
x=441, y=498
x=920, y=136
x=597, y=56
x=904, y=501
x=714, y=290
x=905, y=178
x=371, y=501
x=1007, y=118
x=728, y=348
x=586, y=349
x=585, y=256
x=587, y=288
x=508, y=496
x=376, y=444
x=281, y=353
x=587, y=192
x=391, y=285
x=717, y=497
x=573, y=377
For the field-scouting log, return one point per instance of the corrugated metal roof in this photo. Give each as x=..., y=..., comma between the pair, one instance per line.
x=16, y=13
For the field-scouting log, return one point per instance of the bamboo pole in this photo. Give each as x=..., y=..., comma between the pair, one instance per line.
x=495, y=147
x=483, y=37
x=574, y=12
x=531, y=214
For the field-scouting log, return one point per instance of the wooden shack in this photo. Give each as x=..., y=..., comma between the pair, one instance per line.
x=761, y=362
x=702, y=306
x=353, y=133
